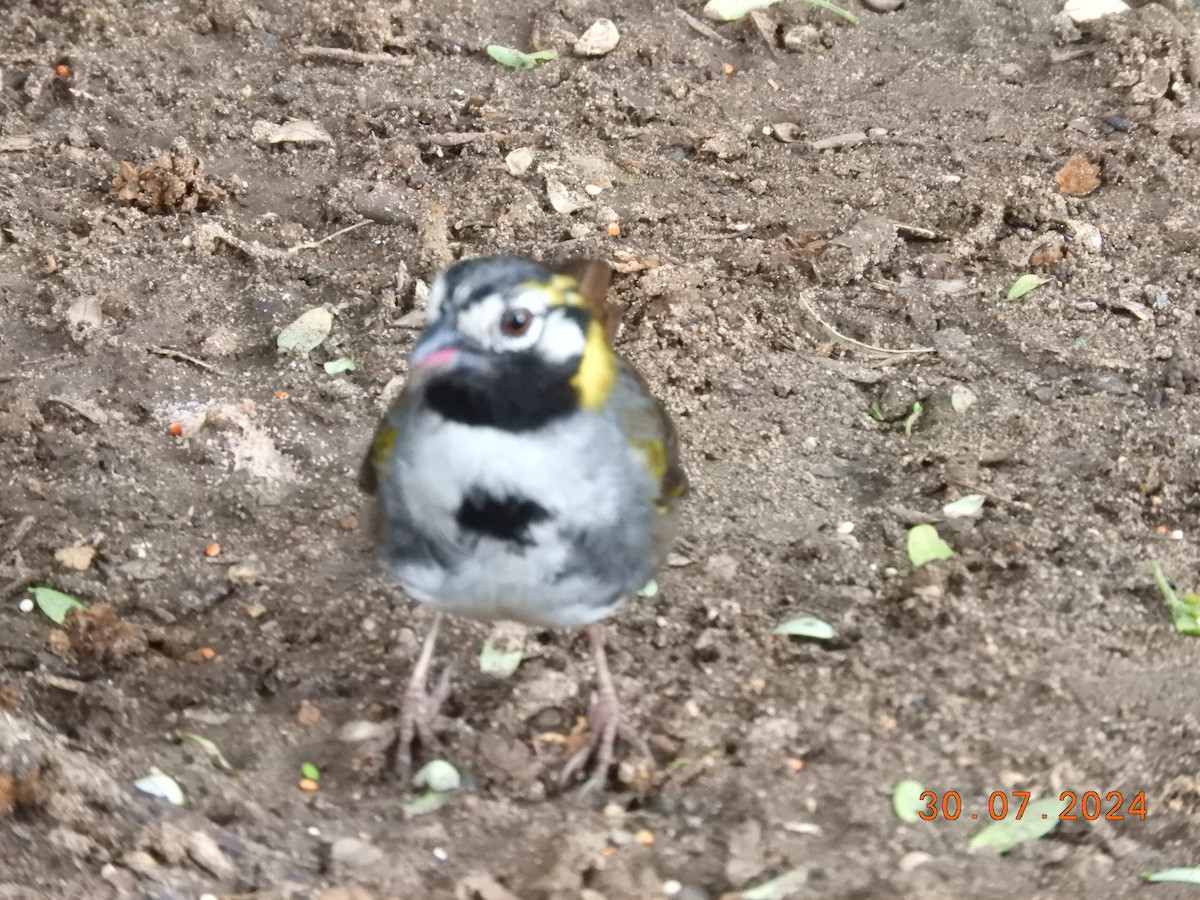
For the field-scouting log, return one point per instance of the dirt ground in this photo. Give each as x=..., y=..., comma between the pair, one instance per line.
x=773, y=292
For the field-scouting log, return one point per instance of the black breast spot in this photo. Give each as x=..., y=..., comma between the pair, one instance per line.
x=507, y=519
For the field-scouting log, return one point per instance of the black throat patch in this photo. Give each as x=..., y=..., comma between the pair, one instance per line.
x=519, y=393
x=506, y=519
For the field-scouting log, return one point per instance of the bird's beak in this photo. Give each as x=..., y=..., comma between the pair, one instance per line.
x=440, y=347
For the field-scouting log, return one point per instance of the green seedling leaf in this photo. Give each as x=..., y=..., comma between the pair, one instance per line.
x=1185, y=610
x=209, y=747
x=1039, y=819
x=438, y=775
x=906, y=800
x=1025, y=284
x=964, y=507
x=307, y=333
x=779, y=888
x=338, y=366
x=910, y=422
x=808, y=627
x=925, y=545
x=836, y=10
x=55, y=604
x=309, y=771
x=161, y=785
x=499, y=662
x=1181, y=876
x=426, y=803
x=515, y=59
x=876, y=411
x=649, y=591
x=732, y=10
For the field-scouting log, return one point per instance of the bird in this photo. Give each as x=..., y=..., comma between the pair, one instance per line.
x=525, y=472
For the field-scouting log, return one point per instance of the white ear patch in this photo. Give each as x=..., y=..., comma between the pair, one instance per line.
x=437, y=298
x=562, y=338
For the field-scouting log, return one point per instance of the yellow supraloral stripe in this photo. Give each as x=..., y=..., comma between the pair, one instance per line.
x=597, y=372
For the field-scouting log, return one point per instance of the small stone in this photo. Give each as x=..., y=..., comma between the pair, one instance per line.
x=78, y=558
x=205, y=853
x=786, y=132
x=1080, y=11
x=1087, y=237
x=85, y=312
x=600, y=38
x=242, y=574
x=961, y=398
x=801, y=37
x=308, y=714
x=352, y=856
x=951, y=338
x=518, y=161
x=285, y=92
x=1079, y=177
x=913, y=860
x=1048, y=252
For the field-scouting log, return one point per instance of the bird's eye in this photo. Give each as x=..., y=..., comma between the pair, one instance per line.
x=515, y=322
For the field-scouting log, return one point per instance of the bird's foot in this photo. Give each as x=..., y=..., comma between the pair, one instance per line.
x=605, y=728
x=414, y=726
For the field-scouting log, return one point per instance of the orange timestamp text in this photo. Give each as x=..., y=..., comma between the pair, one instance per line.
x=1088, y=805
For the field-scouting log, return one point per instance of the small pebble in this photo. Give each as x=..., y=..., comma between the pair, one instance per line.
x=600, y=38
x=26, y=605
x=440, y=855
x=913, y=860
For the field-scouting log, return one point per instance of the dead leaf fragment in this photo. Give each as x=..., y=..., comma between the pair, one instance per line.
x=172, y=183
x=78, y=558
x=299, y=131
x=98, y=633
x=560, y=198
x=1079, y=177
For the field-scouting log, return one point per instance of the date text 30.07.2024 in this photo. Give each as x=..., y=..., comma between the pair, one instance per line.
x=1089, y=805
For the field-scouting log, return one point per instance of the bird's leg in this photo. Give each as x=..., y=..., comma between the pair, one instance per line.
x=604, y=723
x=418, y=706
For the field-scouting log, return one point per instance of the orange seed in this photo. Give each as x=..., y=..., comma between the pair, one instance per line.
x=212, y=550
x=62, y=71
x=614, y=229
x=307, y=784
x=729, y=70
x=281, y=395
x=175, y=429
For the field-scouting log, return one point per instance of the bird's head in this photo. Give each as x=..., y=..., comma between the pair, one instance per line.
x=515, y=345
